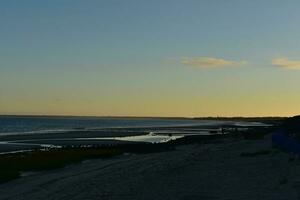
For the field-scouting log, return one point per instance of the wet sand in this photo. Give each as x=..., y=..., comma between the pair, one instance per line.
x=94, y=138
x=198, y=171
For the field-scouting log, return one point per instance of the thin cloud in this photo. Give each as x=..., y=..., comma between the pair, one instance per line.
x=209, y=62
x=286, y=63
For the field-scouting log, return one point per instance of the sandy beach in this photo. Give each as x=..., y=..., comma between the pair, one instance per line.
x=230, y=169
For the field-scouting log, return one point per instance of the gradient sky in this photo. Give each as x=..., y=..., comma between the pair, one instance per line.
x=150, y=58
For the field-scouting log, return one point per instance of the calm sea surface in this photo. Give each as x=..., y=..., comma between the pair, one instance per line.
x=59, y=124
x=9, y=124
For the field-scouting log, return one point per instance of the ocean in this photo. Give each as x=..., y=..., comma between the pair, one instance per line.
x=35, y=124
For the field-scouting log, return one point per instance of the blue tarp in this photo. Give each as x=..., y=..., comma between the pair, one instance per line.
x=281, y=139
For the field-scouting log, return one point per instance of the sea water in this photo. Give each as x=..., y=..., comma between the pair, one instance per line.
x=34, y=124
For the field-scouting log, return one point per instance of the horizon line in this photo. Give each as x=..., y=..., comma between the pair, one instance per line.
x=131, y=116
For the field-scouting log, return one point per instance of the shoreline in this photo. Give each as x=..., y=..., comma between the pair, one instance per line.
x=35, y=149
x=104, y=136
x=231, y=168
x=76, y=152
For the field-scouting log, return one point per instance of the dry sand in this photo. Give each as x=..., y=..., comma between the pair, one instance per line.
x=206, y=171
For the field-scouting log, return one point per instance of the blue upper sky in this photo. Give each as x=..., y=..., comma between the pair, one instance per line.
x=150, y=58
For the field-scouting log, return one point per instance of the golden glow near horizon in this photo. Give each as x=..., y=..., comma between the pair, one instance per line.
x=150, y=58
x=168, y=107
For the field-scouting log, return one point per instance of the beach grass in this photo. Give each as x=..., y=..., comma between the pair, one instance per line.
x=13, y=165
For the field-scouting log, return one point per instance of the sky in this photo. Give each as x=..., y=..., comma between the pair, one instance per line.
x=191, y=58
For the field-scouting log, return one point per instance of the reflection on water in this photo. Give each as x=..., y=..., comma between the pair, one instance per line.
x=151, y=137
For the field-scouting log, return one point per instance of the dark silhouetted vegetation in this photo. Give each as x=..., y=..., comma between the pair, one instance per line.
x=11, y=165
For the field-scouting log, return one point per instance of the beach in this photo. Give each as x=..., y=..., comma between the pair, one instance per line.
x=149, y=100
x=228, y=169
